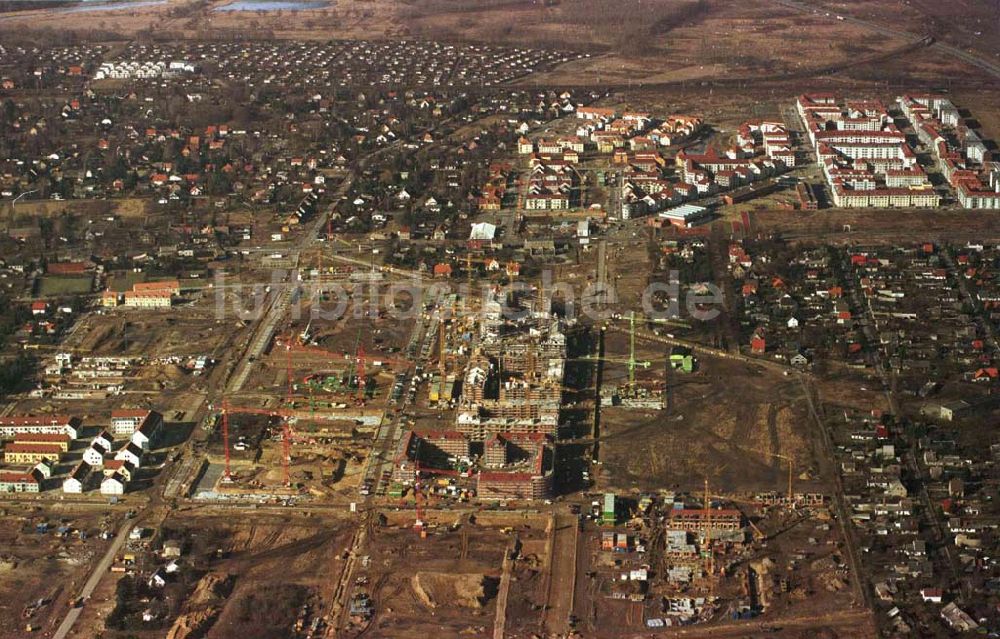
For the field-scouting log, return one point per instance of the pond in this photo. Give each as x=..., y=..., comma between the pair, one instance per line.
x=100, y=5
x=273, y=5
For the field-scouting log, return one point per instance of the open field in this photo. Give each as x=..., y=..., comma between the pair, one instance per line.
x=726, y=422
x=966, y=23
x=54, y=285
x=678, y=40
x=836, y=225
x=151, y=333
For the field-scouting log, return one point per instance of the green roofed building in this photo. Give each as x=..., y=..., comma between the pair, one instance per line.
x=608, y=514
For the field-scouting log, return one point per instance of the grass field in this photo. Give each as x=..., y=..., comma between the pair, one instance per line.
x=53, y=285
x=121, y=282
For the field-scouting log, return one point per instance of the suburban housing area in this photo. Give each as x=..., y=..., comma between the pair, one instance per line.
x=561, y=320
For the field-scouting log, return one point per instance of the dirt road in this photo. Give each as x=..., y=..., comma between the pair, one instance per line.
x=562, y=573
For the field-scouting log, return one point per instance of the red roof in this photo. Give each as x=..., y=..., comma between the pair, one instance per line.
x=165, y=285
x=14, y=477
x=41, y=438
x=33, y=448
x=130, y=412
x=67, y=268
x=501, y=476
x=38, y=420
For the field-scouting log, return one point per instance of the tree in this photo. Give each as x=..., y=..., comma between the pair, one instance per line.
x=14, y=375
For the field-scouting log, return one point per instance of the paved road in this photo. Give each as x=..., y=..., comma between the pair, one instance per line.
x=101, y=569
x=286, y=296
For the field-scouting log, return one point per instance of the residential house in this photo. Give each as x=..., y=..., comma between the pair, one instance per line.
x=132, y=453
x=114, y=485
x=19, y=482
x=76, y=482
x=119, y=467
x=10, y=427
x=31, y=453
x=94, y=457
x=125, y=422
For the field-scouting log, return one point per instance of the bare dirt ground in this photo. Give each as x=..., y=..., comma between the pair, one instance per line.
x=44, y=566
x=446, y=584
x=672, y=41
x=966, y=23
x=725, y=422
x=272, y=565
x=725, y=41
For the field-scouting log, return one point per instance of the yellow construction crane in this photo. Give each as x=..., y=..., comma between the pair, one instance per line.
x=710, y=556
x=632, y=363
x=791, y=465
x=442, y=339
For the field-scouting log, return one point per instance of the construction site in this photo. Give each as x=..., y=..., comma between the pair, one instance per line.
x=212, y=575
x=668, y=560
x=45, y=558
x=473, y=469
x=472, y=573
x=519, y=320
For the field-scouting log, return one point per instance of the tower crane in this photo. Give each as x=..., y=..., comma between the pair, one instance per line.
x=709, y=552
x=357, y=362
x=632, y=363
x=791, y=464
x=286, y=431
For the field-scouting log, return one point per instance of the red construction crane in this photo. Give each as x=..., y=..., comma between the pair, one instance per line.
x=299, y=347
x=225, y=437
x=418, y=495
x=286, y=450
x=286, y=429
x=360, y=360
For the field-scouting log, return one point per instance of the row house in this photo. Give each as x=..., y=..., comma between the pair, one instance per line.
x=865, y=159
x=12, y=426
x=20, y=482
x=31, y=453
x=595, y=113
